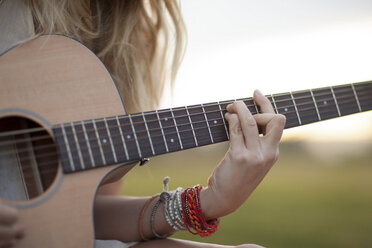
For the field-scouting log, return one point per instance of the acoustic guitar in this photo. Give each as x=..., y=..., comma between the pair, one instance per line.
x=64, y=131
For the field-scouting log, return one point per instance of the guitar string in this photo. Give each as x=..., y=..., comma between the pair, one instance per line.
x=205, y=137
x=48, y=163
x=212, y=105
x=195, y=107
x=170, y=118
x=142, y=138
x=140, y=132
x=48, y=170
x=361, y=98
x=192, y=107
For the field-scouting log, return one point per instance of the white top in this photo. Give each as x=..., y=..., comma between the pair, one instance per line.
x=16, y=24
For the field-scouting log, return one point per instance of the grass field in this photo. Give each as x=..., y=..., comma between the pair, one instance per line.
x=303, y=202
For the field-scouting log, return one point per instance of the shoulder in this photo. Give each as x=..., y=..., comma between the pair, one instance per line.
x=16, y=24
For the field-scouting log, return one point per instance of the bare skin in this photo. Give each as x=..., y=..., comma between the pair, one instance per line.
x=246, y=163
x=10, y=228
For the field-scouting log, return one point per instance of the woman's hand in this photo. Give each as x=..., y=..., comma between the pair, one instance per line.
x=248, y=160
x=10, y=230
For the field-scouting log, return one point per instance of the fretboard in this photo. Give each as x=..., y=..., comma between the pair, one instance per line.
x=112, y=140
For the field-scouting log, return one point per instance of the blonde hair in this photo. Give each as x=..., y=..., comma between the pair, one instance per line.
x=140, y=42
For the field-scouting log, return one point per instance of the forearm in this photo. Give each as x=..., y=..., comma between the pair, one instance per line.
x=116, y=217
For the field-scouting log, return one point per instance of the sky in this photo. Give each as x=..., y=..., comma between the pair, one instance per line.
x=236, y=46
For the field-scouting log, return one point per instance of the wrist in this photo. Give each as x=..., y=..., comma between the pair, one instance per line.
x=208, y=204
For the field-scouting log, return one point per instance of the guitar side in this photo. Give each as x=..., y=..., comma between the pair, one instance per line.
x=53, y=80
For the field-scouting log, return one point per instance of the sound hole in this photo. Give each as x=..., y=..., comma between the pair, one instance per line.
x=28, y=159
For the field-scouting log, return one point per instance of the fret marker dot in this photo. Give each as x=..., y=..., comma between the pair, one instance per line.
x=172, y=140
x=214, y=122
x=128, y=136
x=325, y=102
x=166, y=119
x=286, y=109
x=104, y=141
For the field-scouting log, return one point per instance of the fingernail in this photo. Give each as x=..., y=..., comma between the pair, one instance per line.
x=259, y=92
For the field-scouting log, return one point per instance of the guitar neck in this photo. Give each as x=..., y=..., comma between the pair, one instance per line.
x=106, y=141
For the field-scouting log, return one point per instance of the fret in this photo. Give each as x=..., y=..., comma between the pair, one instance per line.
x=250, y=105
x=256, y=107
x=305, y=107
x=77, y=146
x=356, y=98
x=122, y=138
x=215, y=122
x=209, y=128
x=326, y=105
x=186, y=132
x=104, y=141
x=80, y=146
x=162, y=131
x=316, y=105
x=170, y=131
x=192, y=126
x=148, y=133
x=286, y=107
x=175, y=125
x=223, y=106
x=334, y=98
x=143, y=137
x=294, y=104
x=129, y=138
x=72, y=164
x=99, y=142
x=73, y=146
x=93, y=143
x=84, y=131
x=198, y=120
x=274, y=104
x=117, y=139
x=345, y=99
x=62, y=149
x=110, y=140
x=156, y=132
x=364, y=93
x=223, y=119
x=135, y=136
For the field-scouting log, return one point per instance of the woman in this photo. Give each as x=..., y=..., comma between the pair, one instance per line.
x=132, y=38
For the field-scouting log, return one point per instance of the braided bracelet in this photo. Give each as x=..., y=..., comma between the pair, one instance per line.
x=193, y=215
x=140, y=219
x=164, y=197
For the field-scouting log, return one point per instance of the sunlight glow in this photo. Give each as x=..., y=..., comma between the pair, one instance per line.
x=323, y=56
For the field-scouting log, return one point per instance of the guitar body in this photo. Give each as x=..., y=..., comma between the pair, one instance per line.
x=52, y=80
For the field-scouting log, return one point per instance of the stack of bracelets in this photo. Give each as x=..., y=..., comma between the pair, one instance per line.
x=182, y=211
